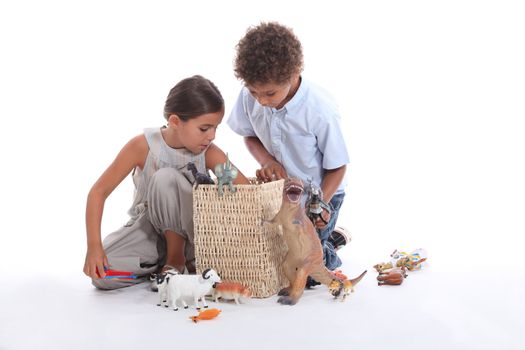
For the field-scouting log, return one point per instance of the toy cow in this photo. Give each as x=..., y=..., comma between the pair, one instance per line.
x=162, y=285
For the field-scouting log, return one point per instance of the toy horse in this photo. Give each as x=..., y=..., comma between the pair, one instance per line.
x=199, y=177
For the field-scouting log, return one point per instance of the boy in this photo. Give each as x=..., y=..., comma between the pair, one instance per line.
x=290, y=126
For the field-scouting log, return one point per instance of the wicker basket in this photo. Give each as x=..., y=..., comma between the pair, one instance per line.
x=230, y=236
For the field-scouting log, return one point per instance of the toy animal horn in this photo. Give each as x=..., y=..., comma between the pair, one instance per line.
x=204, y=273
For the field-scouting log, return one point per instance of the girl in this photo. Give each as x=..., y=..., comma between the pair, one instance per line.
x=159, y=234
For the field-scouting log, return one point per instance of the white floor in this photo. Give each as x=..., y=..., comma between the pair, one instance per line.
x=431, y=99
x=433, y=309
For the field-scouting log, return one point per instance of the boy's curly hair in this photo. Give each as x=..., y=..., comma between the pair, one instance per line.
x=268, y=53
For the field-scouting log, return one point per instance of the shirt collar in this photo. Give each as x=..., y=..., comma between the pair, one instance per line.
x=296, y=99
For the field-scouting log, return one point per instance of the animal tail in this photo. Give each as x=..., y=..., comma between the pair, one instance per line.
x=358, y=278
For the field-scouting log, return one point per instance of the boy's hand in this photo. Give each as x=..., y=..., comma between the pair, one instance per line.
x=96, y=260
x=318, y=222
x=270, y=171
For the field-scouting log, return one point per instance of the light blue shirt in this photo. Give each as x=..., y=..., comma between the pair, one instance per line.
x=305, y=135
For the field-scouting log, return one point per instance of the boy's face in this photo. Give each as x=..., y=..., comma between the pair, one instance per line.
x=274, y=95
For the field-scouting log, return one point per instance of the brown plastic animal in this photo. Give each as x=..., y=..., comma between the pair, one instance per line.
x=305, y=254
x=393, y=276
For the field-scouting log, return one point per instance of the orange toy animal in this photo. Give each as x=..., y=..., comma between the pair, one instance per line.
x=206, y=315
x=346, y=287
x=393, y=276
x=231, y=291
x=305, y=254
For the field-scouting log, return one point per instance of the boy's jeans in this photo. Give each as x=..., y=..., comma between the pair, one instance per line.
x=331, y=260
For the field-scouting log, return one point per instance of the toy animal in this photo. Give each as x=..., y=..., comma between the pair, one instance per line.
x=337, y=288
x=199, y=178
x=162, y=285
x=410, y=261
x=226, y=173
x=315, y=205
x=340, y=275
x=194, y=286
x=393, y=276
x=206, y=315
x=381, y=267
x=412, y=265
x=231, y=291
x=117, y=275
x=305, y=254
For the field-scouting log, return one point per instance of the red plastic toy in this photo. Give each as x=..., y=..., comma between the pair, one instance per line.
x=116, y=274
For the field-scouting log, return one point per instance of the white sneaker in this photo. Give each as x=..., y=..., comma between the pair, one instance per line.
x=340, y=237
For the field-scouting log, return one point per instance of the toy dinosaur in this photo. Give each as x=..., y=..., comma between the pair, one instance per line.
x=226, y=173
x=199, y=178
x=305, y=254
x=315, y=205
x=337, y=289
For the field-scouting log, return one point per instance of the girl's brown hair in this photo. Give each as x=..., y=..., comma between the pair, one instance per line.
x=193, y=97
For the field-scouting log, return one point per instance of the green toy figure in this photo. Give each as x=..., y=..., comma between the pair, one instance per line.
x=225, y=173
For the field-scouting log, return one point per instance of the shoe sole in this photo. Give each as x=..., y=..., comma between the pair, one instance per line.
x=344, y=232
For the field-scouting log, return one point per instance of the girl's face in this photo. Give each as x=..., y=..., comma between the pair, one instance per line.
x=195, y=134
x=274, y=95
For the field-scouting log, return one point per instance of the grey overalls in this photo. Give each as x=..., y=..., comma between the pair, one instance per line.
x=162, y=201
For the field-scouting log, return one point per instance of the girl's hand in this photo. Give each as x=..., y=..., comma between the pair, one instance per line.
x=270, y=171
x=96, y=260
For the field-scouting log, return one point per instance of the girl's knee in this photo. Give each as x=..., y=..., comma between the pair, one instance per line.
x=103, y=284
x=167, y=182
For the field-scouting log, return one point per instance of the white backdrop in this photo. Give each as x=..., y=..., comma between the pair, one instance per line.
x=431, y=96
